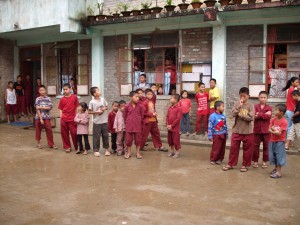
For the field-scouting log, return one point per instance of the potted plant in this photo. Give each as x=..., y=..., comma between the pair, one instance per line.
x=210, y=3
x=135, y=11
x=237, y=2
x=125, y=8
x=146, y=7
x=183, y=5
x=109, y=16
x=116, y=15
x=224, y=2
x=100, y=16
x=169, y=6
x=196, y=4
x=90, y=11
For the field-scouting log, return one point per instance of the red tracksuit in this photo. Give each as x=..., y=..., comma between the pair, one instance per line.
x=173, y=119
x=202, y=111
x=111, y=130
x=133, y=116
x=150, y=125
x=261, y=131
x=68, y=106
x=28, y=93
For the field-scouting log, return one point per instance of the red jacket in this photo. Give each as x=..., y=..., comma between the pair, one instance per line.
x=133, y=117
x=111, y=120
x=148, y=114
x=174, y=117
x=262, y=121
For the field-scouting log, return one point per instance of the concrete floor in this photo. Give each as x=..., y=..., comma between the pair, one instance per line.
x=52, y=187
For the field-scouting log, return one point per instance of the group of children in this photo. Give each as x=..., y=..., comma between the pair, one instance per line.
x=133, y=122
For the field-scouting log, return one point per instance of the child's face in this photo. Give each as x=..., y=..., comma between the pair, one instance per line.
x=72, y=82
x=19, y=79
x=140, y=94
x=149, y=95
x=173, y=92
x=122, y=107
x=278, y=113
x=244, y=97
x=42, y=91
x=142, y=79
x=173, y=100
x=202, y=88
x=115, y=107
x=79, y=109
x=10, y=85
x=221, y=108
x=212, y=84
x=160, y=90
x=263, y=99
x=295, y=83
x=97, y=93
x=184, y=95
x=38, y=81
x=295, y=97
x=27, y=77
x=67, y=90
x=153, y=88
x=135, y=98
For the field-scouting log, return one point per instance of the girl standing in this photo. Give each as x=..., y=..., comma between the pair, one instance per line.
x=185, y=104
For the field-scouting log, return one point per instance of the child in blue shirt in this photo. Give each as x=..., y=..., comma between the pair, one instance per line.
x=217, y=133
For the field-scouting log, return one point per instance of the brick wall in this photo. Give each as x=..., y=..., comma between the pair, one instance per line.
x=6, y=70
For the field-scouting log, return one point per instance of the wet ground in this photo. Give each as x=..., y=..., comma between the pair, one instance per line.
x=51, y=187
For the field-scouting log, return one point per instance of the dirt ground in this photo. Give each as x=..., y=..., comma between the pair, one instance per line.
x=51, y=187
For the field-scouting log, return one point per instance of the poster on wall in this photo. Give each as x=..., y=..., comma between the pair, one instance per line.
x=51, y=90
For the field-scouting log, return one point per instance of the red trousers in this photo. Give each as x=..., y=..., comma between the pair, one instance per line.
x=66, y=129
x=218, y=147
x=258, y=138
x=48, y=129
x=201, y=119
x=28, y=100
x=236, y=140
x=151, y=128
x=121, y=147
x=21, y=104
x=129, y=137
x=11, y=109
x=174, y=139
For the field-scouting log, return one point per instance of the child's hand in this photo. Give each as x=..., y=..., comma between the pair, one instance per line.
x=269, y=113
x=155, y=114
x=38, y=107
x=42, y=121
x=241, y=102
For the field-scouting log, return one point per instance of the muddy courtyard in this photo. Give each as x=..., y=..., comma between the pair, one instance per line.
x=44, y=186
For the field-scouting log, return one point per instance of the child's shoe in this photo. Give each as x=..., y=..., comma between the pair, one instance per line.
x=218, y=162
x=176, y=155
x=97, y=154
x=85, y=152
x=187, y=134
x=171, y=154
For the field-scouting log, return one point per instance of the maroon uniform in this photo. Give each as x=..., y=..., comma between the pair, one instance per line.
x=173, y=119
x=28, y=93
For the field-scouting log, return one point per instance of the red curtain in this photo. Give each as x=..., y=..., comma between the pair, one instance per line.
x=271, y=36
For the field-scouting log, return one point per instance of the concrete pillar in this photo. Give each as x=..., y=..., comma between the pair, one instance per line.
x=16, y=62
x=219, y=58
x=98, y=61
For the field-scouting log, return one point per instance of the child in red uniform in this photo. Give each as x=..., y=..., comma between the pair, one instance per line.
x=10, y=101
x=173, y=126
x=43, y=106
x=119, y=126
x=28, y=94
x=202, y=109
x=67, y=106
x=262, y=116
x=111, y=130
x=150, y=123
x=133, y=116
x=19, y=87
x=186, y=105
x=242, y=131
x=278, y=128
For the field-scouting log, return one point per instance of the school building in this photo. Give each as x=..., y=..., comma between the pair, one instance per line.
x=256, y=45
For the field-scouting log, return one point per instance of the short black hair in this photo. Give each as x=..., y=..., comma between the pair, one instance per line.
x=148, y=90
x=9, y=82
x=67, y=85
x=132, y=93
x=263, y=93
x=201, y=83
x=139, y=89
x=84, y=106
x=183, y=91
x=244, y=90
x=295, y=93
x=19, y=76
x=218, y=104
x=153, y=85
x=93, y=90
x=115, y=102
x=38, y=78
x=42, y=86
x=122, y=102
x=143, y=75
x=176, y=97
x=213, y=79
x=281, y=108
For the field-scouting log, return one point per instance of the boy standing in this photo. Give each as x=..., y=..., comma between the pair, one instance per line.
x=218, y=133
x=262, y=116
x=98, y=107
x=150, y=123
x=19, y=87
x=133, y=116
x=111, y=129
x=202, y=109
x=242, y=131
x=68, y=106
x=278, y=128
x=173, y=126
x=214, y=94
x=119, y=126
x=295, y=129
x=10, y=101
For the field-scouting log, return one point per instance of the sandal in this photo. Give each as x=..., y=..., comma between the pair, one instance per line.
x=107, y=153
x=126, y=156
x=162, y=149
x=264, y=166
x=226, y=168
x=219, y=162
x=77, y=152
x=85, y=152
x=244, y=169
x=54, y=147
x=212, y=162
x=139, y=157
x=275, y=175
x=255, y=165
x=68, y=150
x=171, y=154
x=273, y=171
x=39, y=146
